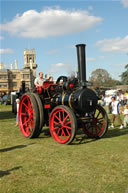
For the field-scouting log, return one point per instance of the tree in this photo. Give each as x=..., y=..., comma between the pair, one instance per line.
x=101, y=77
x=124, y=76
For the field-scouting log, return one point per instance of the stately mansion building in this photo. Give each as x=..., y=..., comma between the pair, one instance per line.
x=11, y=79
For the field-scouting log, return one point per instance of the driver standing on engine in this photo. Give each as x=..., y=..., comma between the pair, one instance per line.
x=39, y=80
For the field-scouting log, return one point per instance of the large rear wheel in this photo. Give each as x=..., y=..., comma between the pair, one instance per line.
x=63, y=124
x=28, y=116
x=96, y=123
x=41, y=112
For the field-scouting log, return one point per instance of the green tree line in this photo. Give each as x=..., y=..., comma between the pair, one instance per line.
x=100, y=77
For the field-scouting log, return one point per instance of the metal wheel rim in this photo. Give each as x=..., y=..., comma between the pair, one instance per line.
x=61, y=125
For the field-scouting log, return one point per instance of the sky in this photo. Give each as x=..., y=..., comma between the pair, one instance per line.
x=53, y=28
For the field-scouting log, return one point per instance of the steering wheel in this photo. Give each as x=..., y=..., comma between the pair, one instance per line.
x=61, y=78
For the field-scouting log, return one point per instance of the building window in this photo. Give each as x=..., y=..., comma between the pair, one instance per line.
x=25, y=76
x=3, y=76
x=14, y=84
x=3, y=85
x=14, y=76
x=27, y=84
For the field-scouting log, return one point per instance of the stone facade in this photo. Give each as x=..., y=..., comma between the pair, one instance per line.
x=11, y=79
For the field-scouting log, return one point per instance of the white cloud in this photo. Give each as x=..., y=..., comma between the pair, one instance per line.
x=1, y=37
x=6, y=51
x=61, y=67
x=50, y=22
x=114, y=45
x=124, y=3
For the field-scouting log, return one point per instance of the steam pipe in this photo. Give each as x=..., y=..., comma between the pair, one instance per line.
x=81, y=58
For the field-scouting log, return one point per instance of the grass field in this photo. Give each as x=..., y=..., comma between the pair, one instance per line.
x=43, y=166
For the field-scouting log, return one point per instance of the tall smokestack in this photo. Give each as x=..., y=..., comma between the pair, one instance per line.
x=81, y=63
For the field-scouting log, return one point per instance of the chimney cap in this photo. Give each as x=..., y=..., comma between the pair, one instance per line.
x=80, y=45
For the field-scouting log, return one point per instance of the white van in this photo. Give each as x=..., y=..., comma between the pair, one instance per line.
x=111, y=92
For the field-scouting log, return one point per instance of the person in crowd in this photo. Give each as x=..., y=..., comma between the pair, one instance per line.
x=17, y=106
x=107, y=101
x=102, y=100
x=39, y=80
x=121, y=98
x=51, y=79
x=125, y=113
x=115, y=105
x=127, y=97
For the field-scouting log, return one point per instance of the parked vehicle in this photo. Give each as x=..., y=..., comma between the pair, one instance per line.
x=111, y=92
x=6, y=100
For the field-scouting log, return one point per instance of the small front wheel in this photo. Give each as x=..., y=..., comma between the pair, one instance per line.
x=63, y=124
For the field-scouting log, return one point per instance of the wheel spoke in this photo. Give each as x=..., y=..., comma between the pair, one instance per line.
x=26, y=122
x=98, y=115
x=64, y=134
x=57, y=117
x=100, y=118
x=65, y=118
x=66, y=123
x=68, y=132
x=98, y=127
x=100, y=122
x=56, y=122
x=25, y=105
x=27, y=130
x=68, y=127
x=58, y=131
x=55, y=128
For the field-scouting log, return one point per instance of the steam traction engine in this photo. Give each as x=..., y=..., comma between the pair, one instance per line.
x=65, y=106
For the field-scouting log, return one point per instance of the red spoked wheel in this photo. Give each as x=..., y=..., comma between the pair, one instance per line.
x=96, y=124
x=63, y=124
x=28, y=116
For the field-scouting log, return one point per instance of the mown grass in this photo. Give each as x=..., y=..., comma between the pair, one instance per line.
x=43, y=166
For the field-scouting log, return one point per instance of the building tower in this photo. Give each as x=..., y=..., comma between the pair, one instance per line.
x=30, y=60
x=1, y=66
